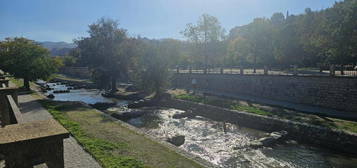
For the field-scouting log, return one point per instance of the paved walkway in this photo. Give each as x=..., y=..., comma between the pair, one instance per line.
x=74, y=155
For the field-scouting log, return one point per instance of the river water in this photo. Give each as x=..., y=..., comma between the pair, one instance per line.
x=223, y=144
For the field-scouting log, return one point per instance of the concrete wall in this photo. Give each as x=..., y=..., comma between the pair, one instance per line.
x=338, y=93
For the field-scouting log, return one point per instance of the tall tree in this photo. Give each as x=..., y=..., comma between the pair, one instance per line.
x=104, y=49
x=206, y=34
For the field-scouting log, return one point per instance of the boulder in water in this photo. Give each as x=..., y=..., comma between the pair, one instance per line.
x=51, y=96
x=102, y=106
x=188, y=114
x=131, y=88
x=177, y=140
x=126, y=115
x=272, y=139
x=143, y=103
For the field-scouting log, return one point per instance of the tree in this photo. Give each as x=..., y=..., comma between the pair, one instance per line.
x=103, y=50
x=253, y=43
x=205, y=35
x=26, y=59
x=153, y=65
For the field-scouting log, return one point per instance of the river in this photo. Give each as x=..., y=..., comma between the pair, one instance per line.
x=223, y=144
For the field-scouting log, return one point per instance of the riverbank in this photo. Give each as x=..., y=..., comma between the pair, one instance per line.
x=203, y=133
x=265, y=110
x=304, y=133
x=111, y=142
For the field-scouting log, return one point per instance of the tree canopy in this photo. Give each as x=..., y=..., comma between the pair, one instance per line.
x=104, y=49
x=315, y=37
x=26, y=59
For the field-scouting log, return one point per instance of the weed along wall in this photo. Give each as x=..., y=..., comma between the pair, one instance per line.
x=329, y=92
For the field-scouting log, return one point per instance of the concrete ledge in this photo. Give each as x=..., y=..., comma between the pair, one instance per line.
x=304, y=133
x=15, y=113
x=31, y=131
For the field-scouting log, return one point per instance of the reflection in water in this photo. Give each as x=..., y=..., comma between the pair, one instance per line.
x=225, y=146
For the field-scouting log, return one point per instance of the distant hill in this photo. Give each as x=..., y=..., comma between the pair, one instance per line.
x=58, y=48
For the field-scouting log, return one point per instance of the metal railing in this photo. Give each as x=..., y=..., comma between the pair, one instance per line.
x=330, y=70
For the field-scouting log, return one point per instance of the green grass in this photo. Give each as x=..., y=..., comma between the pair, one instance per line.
x=190, y=97
x=346, y=125
x=250, y=110
x=112, y=144
x=101, y=149
x=222, y=103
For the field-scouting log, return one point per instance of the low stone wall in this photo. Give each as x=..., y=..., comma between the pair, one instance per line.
x=303, y=133
x=339, y=93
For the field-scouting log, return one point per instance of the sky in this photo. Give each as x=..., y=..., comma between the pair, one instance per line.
x=65, y=20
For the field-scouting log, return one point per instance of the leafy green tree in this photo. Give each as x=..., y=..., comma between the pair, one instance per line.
x=253, y=43
x=309, y=39
x=103, y=50
x=26, y=59
x=341, y=25
x=205, y=36
x=153, y=66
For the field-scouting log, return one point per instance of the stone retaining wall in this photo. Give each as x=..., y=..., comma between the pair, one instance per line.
x=339, y=93
x=303, y=133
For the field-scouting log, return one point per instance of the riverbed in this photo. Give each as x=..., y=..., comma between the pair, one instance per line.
x=223, y=144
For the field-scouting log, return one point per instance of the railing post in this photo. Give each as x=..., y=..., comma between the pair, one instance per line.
x=265, y=70
x=5, y=111
x=4, y=81
x=332, y=70
x=4, y=104
x=178, y=69
x=10, y=91
x=241, y=69
x=221, y=70
x=295, y=70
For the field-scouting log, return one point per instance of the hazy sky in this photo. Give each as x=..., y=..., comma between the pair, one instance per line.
x=64, y=20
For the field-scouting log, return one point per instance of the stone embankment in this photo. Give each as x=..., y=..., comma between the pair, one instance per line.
x=337, y=93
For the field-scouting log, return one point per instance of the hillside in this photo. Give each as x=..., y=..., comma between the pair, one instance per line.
x=58, y=48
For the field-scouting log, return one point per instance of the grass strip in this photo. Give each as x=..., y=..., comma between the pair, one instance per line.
x=111, y=143
x=101, y=149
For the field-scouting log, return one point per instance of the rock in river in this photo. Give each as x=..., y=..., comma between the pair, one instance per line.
x=177, y=140
x=51, y=96
x=126, y=115
x=272, y=139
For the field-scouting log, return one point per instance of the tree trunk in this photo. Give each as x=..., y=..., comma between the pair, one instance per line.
x=26, y=83
x=114, y=84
